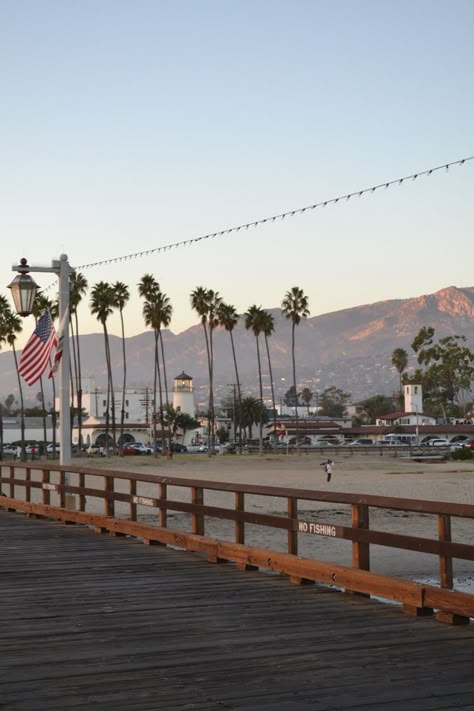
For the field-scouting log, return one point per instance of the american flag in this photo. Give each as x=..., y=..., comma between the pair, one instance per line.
x=59, y=344
x=35, y=354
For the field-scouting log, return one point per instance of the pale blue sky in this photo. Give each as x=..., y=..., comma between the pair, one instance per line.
x=126, y=125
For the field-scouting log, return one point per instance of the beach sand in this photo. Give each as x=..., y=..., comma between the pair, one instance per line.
x=369, y=474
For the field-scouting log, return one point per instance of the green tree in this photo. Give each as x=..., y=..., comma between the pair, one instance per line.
x=291, y=398
x=333, y=402
x=375, y=407
x=4, y=311
x=447, y=371
x=295, y=308
x=102, y=306
x=254, y=320
x=253, y=413
x=400, y=362
x=306, y=397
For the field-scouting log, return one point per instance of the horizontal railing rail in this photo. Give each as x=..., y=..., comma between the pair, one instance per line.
x=30, y=487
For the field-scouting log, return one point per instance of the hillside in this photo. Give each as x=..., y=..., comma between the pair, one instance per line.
x=350, y=348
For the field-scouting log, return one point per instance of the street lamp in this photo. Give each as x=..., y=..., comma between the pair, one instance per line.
x=24, y=290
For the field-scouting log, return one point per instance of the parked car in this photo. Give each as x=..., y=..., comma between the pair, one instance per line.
x=140, y=448
x=361, y=442
x=178, y=447
x=53, y=448
x=11, y=450
x=439, y=442
x=129, y=450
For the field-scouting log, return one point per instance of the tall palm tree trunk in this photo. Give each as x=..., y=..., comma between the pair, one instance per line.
x=45, y=434
x=260, y=424
x=239, y=394
x=294, y=384
x=124, y=384
x=160, y=389
x=22, y=408
x=210, y=405
x=272, y=386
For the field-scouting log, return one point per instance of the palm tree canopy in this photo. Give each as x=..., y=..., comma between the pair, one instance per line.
x=102, y=301
x=78, y=287
x=228, y=316
x=148, y=286
x=254, y=319
x=206, y=302
x=400, y=359
x=295, y=305
x=121, y=295
x=268, y=324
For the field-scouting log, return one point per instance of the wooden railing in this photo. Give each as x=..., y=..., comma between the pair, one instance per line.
x=71, y=495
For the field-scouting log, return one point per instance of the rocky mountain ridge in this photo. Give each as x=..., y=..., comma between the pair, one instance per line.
x=350, y=348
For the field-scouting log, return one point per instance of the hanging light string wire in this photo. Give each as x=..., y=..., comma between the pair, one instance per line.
x=273, y=218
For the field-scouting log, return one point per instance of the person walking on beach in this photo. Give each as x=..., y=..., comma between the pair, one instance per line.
x=328, y=468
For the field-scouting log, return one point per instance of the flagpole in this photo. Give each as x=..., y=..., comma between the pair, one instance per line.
x=64, y=387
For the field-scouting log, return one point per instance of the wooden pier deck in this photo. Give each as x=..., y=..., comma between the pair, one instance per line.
x=99, y=622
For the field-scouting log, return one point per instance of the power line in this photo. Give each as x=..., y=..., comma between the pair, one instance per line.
x=272, y=218
x=280, y=216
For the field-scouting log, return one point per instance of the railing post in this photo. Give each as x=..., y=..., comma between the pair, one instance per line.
x=445, y=562
x=82, y=498
x=27, y=484
x=197, y=517
x=292, y=534
x=109, y=501
x=133, y=493
x=12, y=485
x=360, y=551
x=240, y=525
x=163, y=493
x=62, y=493
x=46, y=498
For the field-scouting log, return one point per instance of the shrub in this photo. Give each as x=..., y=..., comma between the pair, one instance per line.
x=462, y=454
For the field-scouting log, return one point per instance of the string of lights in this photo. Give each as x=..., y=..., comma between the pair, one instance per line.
x=273, y=218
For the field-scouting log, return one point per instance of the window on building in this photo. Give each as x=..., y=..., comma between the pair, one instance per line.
x=104, y=402
x=416, y=389
x=126, y=403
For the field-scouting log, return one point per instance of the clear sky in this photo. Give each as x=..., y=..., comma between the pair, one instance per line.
x=130, y=124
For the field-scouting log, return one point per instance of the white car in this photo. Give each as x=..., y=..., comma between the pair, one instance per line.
x=140, y=448
x=53, y=448
x=438, y=443
x=11, y=450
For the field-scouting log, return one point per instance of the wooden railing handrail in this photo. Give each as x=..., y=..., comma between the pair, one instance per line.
x=387, y=502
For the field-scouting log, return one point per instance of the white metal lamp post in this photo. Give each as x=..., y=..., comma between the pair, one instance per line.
x=24, y=289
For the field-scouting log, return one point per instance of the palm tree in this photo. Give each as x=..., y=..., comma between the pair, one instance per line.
x=295, y=307
x=165, y=313
x=229, y=318
x=78, y=287
x=12, y=327
x=206, y=303
x=268, y=327
x=148, y=289
x=400, y=362
x=254, y=321
x=101, y=305
x=252, y=412
x=121, y=295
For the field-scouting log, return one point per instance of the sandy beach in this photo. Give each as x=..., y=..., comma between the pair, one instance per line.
x=369, y=474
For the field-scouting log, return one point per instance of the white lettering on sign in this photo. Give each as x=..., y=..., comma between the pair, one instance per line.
x=50, y=487
x=143, y=500
x=318, y=529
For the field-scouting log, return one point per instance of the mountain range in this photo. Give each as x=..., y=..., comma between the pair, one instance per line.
x=350, y=348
